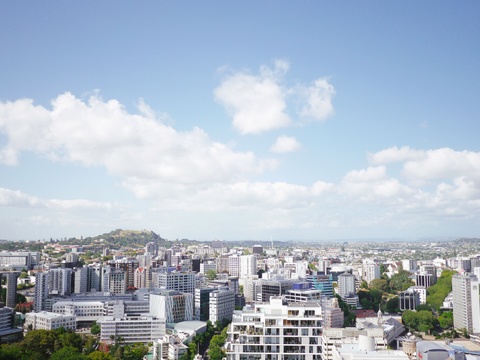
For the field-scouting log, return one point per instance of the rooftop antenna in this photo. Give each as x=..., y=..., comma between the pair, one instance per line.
x=271, y=241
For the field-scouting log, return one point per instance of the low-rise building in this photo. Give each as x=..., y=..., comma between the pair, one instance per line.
x=45, y=320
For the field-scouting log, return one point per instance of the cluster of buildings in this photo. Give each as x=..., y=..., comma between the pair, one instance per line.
x=281, y=303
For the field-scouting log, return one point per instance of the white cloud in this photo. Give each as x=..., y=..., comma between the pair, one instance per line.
x=318, y=100
x=139, y=148
x=258, y=103
x=285, y=144
x=16, y=198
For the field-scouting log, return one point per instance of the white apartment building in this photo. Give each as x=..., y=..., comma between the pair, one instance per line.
x=141, y=277
x=346, y=285
x=222, y=305
x=466, y=303
x=50, y=321
x=248, y=266
x=132, y=329
x=274, y=331
x=81, y=280
x=173, y=306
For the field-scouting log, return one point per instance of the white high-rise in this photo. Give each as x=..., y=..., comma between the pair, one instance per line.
x=248, y=266
x=466, y=303
x=346, y=285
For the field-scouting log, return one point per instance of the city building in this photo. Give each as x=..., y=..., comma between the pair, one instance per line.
x=180, y=281
x=408, y=299
x=222, y=305
x=172, y=305
x=49, y=321
x=11, y=295
x=138, y=328
x=275, y=331
x=466, y=303
x=41, y=291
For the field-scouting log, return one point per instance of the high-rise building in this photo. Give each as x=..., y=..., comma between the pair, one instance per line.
x=82, y=280
x=371, y=271
x=346, y=285
x=274, y=331
x=202, y=303
x=180, y=281
x=117, y=281
x=60, y=281
x=466, y=303
x=11, y=296
x=41, y=291
x=234, y=265
x=248, y=266
x=222, y=305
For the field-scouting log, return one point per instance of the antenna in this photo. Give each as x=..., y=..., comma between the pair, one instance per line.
x=271, y=241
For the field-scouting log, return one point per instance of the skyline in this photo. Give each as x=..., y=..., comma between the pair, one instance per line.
x=240, y=121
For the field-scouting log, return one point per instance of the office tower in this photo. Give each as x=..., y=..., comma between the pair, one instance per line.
x=82, y=280
x=222, y=304
x=323, y=283
x=257, y=249
x=11, y=296
x=142, y=277
x=346, y=285
x=117, y=281
x=151, y=248
x=269, y=288
x=466, y=303
x=172, y=305
x=180, y=281
x=41, y=291
x=202, y=303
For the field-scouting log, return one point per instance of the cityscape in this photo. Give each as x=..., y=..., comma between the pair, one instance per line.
x=243, y=180
x=133, y=294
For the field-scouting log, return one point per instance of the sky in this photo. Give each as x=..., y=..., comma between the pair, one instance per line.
x=241, y=120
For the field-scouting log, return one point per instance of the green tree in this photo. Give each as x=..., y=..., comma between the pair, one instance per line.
x=41, y=342
x=392, y=305
x=68, y=353
x=445, y=320
x=400, y=281
x=95, y=329
x=211, y=274
x=437, y=293
x=379, y=284
x=99, y=355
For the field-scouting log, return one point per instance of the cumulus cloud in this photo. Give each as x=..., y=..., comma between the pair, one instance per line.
x=285, y=144
x=140, y=148
x=317, y=100
x=258, y=103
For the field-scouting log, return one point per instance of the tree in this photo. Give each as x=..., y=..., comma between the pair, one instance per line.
x=379, y=284
x=211, y=274
x=99, y=355
x=445, y=320
x=400, y=282
x=68, y=353
x=392, y=305
x=41, y=342
x=95, y=329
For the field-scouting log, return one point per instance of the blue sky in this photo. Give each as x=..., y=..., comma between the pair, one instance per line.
x=240, y=120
